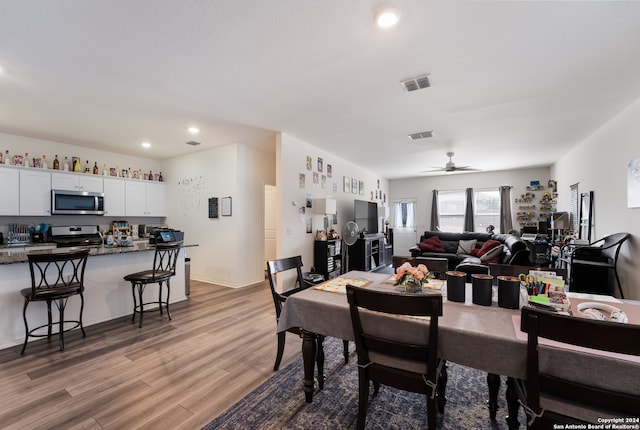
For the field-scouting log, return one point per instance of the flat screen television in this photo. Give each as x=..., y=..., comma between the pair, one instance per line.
x=365, y=214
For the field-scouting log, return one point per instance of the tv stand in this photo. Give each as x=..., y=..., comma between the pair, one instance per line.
x=368, y=253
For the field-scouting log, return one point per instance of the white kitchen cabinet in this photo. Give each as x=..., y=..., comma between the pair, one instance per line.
x=145, y=198
x=35, y=192
x=10, y=199
x=114, y=197
x=76, y=182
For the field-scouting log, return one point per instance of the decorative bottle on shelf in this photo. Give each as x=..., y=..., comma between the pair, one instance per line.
x=25, y=160
x=118, y=174
x=104, y=170
x=95, y=168
x=150, y=175
x=56, y=163
x=76, y=165
x=43, y=163
x=87, y=169
x=7, y=157
x=160, y=179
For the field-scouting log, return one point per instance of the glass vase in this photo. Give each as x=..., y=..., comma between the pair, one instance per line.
x=412, y=286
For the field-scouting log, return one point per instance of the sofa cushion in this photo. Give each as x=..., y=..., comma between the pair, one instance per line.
x=432, y=244
x=493, y=255
x=465, y=246
x=488, y=245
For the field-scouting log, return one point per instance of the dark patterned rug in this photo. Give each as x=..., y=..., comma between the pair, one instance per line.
x=279, y=402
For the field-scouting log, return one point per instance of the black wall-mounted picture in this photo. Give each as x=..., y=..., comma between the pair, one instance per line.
x=213, y=207
x=226, y=206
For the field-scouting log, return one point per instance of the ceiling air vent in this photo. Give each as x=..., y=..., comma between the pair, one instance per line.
x=193, y=143
x=415, y=84
x=421, y=135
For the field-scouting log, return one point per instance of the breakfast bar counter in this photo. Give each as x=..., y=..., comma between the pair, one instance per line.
x=107, y=295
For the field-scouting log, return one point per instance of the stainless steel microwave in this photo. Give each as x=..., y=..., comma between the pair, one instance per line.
x=64, y=202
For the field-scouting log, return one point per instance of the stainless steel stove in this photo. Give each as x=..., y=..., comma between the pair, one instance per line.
x=77, y=235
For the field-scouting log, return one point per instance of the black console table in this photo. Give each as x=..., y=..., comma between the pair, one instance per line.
x=369, y=253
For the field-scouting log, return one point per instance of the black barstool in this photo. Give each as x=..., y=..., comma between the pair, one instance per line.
x=164, y=267
x=55, y=278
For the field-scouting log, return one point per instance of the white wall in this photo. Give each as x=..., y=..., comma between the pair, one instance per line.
x=421, y=190
x=291, y=156
x=599, y=164
x=231, y=248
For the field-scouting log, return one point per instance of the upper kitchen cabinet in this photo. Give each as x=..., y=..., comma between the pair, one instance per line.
x=145, y=198
x=114, y=200
x=35, y=192
x=10, y=201
x=76, y=182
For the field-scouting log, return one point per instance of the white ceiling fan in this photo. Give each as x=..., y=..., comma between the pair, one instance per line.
x=450, y=167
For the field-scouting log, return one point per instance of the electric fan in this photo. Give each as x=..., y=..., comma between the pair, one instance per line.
x=349, y=236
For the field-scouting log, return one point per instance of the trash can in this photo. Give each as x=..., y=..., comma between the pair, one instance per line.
x=187, y=276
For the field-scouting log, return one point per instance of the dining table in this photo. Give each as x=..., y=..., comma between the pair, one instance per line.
x=487, y=338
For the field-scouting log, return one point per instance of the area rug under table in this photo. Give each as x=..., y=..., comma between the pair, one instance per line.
x=279, y=402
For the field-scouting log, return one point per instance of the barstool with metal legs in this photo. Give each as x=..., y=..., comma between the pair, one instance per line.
x=55, y=277
x=164, y=267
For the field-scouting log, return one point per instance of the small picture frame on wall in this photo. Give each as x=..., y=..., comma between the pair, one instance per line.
x=346, y=184
x=361, y=188
x=226, y=206
x=354, y=186
x=213, y=207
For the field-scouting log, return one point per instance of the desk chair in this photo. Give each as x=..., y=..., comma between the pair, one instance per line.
x=54, y=279
x=384, y=357
x=164, y=268
x=601, y=254
x=550, y=386
x=279, y=297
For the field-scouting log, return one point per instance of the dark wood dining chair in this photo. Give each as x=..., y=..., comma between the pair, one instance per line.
x=388, y=359
x=543, y=384
x=163, y=269
x=54, y=279
x=280, y=296
x=437, y=266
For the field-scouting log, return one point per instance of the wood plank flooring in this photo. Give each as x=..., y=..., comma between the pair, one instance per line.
x=177, y=374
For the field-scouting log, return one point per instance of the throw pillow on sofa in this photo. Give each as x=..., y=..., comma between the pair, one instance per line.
x=466, y=246
x=492, y=255
x=432, y=244
x=488, y=245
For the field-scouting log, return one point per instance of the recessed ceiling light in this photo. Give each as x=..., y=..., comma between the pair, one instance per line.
x=194, y=130
x=417, y=83
x=387, y=17
x=421, y=135
x=146, y=145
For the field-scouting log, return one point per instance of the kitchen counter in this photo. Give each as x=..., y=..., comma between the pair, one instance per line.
x=107, y=295
x=18, y=254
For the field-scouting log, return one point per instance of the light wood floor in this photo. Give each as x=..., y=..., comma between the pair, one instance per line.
x=177, y=374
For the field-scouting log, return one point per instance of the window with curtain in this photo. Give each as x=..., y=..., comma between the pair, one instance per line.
x=451, y=205
x=404, y=215
x=486, y=209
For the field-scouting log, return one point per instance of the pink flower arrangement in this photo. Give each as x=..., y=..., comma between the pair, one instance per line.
x=407, y=272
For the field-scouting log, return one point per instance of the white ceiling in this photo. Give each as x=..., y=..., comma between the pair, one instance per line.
x=515, y=84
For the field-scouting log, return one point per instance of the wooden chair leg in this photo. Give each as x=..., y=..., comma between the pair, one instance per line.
x=168, y=294
x=281, y=341
x=26, y=327
x=363, y=398
x=61, y=305
x=81, y=313
x=345, y=351
x=140, y=290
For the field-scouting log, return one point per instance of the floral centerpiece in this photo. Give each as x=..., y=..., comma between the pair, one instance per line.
x=413, y=278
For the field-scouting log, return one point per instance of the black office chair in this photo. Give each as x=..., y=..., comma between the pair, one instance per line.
x=54, y=279
x=164, y=268
x=601, y=254
x=279, y=297
x=385, y=358
x=549, y=385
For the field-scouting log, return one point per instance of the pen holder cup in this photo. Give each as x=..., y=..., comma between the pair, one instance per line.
x=456, y=286
x=482, y=289
x=508, y=292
